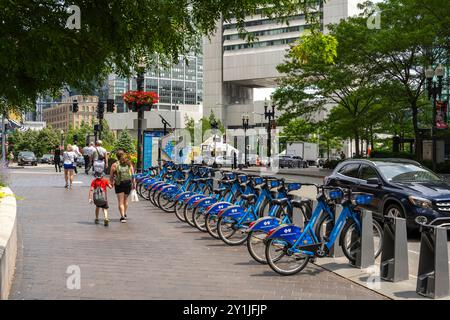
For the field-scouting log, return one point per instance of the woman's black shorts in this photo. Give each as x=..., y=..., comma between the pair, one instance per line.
x=123, y=187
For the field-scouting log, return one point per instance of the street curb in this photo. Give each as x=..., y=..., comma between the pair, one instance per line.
x=8, y=242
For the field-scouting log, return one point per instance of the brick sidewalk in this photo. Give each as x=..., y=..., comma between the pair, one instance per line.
x=152, y=257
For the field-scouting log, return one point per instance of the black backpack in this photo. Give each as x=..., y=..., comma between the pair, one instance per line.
x=99, y=197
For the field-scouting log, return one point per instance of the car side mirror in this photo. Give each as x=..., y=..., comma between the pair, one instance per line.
x=374, y=181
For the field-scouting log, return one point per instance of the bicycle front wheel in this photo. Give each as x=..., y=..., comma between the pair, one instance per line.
x=351, y=240
x=281, y=260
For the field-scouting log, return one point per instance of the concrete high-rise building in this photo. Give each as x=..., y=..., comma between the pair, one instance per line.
x=234, y=67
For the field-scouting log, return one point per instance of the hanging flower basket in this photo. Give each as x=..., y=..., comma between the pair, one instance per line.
x=140, y=99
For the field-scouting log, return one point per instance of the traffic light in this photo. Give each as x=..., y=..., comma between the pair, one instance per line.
x=75, y=106
x=110, y=105
x=100, y=110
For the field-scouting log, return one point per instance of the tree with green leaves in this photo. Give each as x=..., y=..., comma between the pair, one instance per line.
x=322, y=70
x=49, y=44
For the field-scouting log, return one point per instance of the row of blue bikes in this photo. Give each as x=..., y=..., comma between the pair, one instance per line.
x=278, y=228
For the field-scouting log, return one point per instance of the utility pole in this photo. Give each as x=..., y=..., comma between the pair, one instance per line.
x=3, y=137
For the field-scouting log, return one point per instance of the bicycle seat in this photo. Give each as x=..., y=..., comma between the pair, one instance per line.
x=220, y=190
x=300, y=202
x=280, y=202
x=249, y=197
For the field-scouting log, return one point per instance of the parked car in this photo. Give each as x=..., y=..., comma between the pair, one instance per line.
x=48, y=158
x=401, y=188
x=26, y=157
x=291, y=162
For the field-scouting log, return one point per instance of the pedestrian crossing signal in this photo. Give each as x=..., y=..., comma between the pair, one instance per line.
x=75, y=106
x=110, y=105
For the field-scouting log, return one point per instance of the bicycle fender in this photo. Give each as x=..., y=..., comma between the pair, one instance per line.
x=170, y=189
x=205, y=202
x=161, y=186
x=233, y=212
x=194, y=199
x=184, y=195
x=265, y=224
x=289, y=233
x=217, y=207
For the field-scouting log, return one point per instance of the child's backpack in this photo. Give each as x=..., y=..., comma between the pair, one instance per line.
x=99, y=197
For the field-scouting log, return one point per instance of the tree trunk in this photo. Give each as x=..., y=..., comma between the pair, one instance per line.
x=357, y=151
x=418, y=138
x=372, y=145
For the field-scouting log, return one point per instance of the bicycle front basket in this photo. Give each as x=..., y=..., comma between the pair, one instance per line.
x=258, y=180
x=275, y=183
x=362, y=199
x=335, y=194
x=293, y=186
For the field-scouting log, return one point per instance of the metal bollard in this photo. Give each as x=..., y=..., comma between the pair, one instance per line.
x=394, y=257
x=336, y=249
x=365, y=256
x=433, y=276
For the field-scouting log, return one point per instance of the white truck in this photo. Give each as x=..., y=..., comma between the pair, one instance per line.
x=308, y=151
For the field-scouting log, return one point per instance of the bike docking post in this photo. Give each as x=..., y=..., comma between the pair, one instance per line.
x=433, y=274
x=336, y=249
x=394, y=255
x=365, y=254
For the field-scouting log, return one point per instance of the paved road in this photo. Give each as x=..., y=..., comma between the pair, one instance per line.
x=152, y=257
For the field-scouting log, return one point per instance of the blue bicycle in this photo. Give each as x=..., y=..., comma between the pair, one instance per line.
x=289, y=248
x=234, y=221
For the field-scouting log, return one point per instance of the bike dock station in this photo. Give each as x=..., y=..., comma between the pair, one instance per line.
x=392, y=274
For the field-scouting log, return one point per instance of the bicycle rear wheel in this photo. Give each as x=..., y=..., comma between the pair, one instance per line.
x=179, y=210
x=165, y=202
x=199, y=218
x=228, y=233
x=187, y=212
x=281, y=260
x=256, y=246
x=211, y=225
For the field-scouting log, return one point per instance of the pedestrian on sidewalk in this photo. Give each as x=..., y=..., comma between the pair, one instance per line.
x=69, y=162
x=87, y=157
x=77, y=155
x=98, y=194
x=57, y=158
x=100, y=157
x=121, y=177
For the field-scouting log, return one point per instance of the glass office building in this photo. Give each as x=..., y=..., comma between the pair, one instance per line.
x=180, y=84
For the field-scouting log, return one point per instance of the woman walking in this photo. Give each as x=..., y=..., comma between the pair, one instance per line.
x=69, y=161
x=122, y=178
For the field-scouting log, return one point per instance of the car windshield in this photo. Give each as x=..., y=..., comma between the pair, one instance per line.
x=406, y=172
x=27, y=154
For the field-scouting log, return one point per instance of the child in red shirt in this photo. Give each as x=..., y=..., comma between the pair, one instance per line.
x=99, y=181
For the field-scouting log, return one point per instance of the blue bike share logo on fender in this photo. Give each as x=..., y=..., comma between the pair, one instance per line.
x=265, y=224
x=289, y=233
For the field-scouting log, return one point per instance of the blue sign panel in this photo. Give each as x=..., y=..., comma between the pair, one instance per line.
x=147, y=153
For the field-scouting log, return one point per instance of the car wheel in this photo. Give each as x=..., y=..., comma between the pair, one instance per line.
x=394, y=210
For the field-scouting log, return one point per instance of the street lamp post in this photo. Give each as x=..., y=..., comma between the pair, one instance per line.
x=140, y=114
x=214, y=126
x=62, y=138
x=434, y=91
x=245, y=126
x=270, y=115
